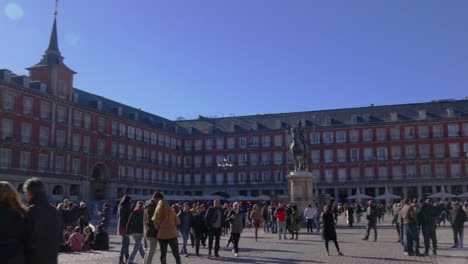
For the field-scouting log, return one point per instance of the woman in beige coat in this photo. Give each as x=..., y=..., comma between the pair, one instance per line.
x=166, y=221
x=256, y=217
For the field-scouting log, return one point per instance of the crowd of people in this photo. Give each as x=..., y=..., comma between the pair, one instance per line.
x=67, y=226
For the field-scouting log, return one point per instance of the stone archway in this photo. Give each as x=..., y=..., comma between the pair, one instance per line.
x=99, y=182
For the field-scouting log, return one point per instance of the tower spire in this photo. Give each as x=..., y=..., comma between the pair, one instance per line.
x=53, y=43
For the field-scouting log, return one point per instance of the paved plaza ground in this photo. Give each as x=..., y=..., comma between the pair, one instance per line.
x=309, y=248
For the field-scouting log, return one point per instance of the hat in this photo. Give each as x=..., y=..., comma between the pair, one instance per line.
x=158, y=195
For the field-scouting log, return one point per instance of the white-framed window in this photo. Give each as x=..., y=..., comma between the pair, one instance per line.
x=410, y=151
x=86, y=144
x=114, y=148
x=209, y=144
x=329, y=156
x=27, y=105
x=77, y=118
x=327, y=137
x=342, y=175
x=266, y=177
x=138, y=173
x=266, y=140
x=254, y=159
x=197, y=179
x=355, y=173
x=453, y=130
x=219, y=143
x=253, y=141
x=315, y=155
x=76, y=139
x=43, y=163
x=146, y=135
x=454, y=149
x=396, y=152
x=278, y=158
x=266, y=158
x=198, y=144
x=87, y=121
x=242, y=159
x=187, y=179
x=5, y=158
x=369, y=173
x=354, y=154
x=341, y=155
x=26, y=132
x=231, y=143
x=439, y=150
x=423, y=131
x=368, y=154
x=329, y=175
x=115, y=128
x=197, y=161
x=122, y=129
x=121, y=150
x=279, y=176
x=154, y=138
x=101, y=124
x=59, y=164
x=395, y=133
x=60, y=138
x=381, y=134
x=278, y=140
x=455, y=170
x=437, y=131
x=409, y=132
x=396, y=172
x=367, y=135
x=208, y=179
x=130, y=132
x=138, y=134
x=25, y=160
x=61, y=114
x=101, y=146
x=340, y=136
x=465, y=129
x=208, y=161
x=130, y=173
x=382, y=153
x=383, y=173
x=43, y=136
x=129, y=152
x=424, y=151
x=315, y=138
x=138, y=154
x=441, y=171
x=8, y=101
x=254, y=178
x=426, y=171
x=354, y=136
x=7, y=129
x=411, y=171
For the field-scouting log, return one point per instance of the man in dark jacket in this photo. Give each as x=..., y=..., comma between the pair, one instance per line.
x=84, y=215
x=43, y=225
x=151, y=233
x=214, y=219
x=458, y=220
x=427, y=220
x=372, y=214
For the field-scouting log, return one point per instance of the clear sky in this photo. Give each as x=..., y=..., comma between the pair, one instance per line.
x=184, y=58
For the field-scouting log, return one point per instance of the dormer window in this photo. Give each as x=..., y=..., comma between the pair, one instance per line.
x=354, y=119
x=279, y=124
x=119, y=111
x=75, y=98
x=233, y=127
x=328, y=121
x=450, y=112
x=366, y=118
x=422, y=114
x=393, y=116
x=99, y=105
x=255, y=125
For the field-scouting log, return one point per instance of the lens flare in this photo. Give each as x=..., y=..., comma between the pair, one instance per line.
x=14, y=11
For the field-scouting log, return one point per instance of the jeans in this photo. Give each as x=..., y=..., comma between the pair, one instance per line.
x=235, y=241
x=274, y=226
x=174, y=244
x=266, y=226
x=214, y=233
x=185, y=237
x=137, y=247
x=282, y=229
x=317, y=223
x=458, y=236
x=309, y=225
x=369, y=227
x=429, y=233
x=124, y=247
x=153, y=244
x=411, y=232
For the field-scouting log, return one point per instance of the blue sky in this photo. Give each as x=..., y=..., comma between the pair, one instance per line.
x=184, y=58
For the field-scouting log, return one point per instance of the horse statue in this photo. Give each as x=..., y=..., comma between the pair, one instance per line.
x=298, y=148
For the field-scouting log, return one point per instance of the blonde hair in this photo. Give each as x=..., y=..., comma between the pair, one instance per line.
x=163, y=210
x=11, y=198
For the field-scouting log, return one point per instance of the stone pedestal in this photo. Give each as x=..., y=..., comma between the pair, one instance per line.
x=301, y=188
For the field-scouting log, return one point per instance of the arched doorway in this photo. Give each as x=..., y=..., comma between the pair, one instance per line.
x=98, y=182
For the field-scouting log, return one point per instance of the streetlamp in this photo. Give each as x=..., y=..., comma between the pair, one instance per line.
x=225, y=164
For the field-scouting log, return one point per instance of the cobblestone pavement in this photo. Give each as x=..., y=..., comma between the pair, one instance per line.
x=309, y=248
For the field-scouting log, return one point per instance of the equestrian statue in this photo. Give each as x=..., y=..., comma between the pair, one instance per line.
x=298, y=147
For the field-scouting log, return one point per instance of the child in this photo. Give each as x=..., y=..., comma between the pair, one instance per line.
x=101, y=240
x=76, y=241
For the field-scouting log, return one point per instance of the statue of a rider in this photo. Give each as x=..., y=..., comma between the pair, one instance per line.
x=299, y=151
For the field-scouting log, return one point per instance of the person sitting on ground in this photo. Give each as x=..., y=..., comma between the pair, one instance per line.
x=89, y=237
x=65, y=247
x=101, y=240
x=76, y=241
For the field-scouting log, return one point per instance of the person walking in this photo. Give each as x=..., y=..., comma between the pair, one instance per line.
x=42, y=223
x=295, y=225
x=309, y=216
x=281, y=220
x=329, y=229
x=166, y=221
x=123, y=213
x=214, y=218
x=372, y=215
x=186, y=221
x=237, y=222
x=12, y=231
x=150, y=232
x=427, y=219
x=135, y=229
x=409, y=219
x=256, y=218
x=266, y=218
x=198, y=228
x=458, y=218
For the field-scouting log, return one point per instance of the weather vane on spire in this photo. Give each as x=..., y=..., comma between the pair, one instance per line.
x=56, y=5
